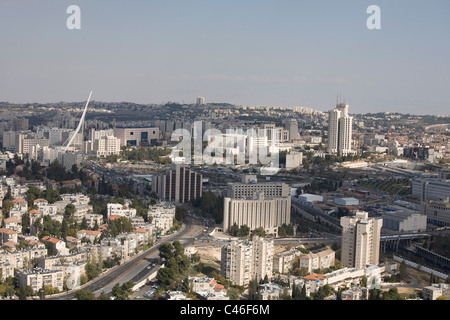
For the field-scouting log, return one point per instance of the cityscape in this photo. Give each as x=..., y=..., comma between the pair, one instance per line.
x=198, y=200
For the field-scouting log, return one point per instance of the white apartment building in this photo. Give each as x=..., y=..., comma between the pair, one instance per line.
x=283, y=261
x=162, y=216
x=436, y=290
x=103, y=146
x=294, y=160
x=243, y=261
x=118, y=209
x=320, y=260
x=360, y=240
x=38, y=278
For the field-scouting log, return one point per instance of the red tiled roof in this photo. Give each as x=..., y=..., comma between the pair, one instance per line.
x=50, y=239
x=8, y=231
x=12, y=220
x=315, y=276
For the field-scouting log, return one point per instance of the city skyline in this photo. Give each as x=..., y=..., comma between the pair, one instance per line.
x=288, y=53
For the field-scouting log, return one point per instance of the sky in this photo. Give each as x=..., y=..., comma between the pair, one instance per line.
x=244, y=52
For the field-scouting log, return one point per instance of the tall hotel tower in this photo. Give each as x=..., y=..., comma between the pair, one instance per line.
x=340, y=130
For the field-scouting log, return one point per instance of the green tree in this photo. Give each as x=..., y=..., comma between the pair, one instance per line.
x=84, y=295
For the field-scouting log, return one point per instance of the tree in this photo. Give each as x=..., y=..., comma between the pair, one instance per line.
x=104, y=296
x=92, y=270
x=186, y=286
x=259, y=232
x=84, y=295
x=70, y=210
x=123, y=292
x=24, y=292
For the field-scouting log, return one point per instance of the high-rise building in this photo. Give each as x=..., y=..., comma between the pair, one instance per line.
x=201, y=101
x=244, y=261
x=340, y=130
x=178, y=184
x=360, y=240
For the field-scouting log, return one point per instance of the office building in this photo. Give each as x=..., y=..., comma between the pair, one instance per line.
x=137, y=136
x=432, y=188
x=437, y=211
x=360, y=240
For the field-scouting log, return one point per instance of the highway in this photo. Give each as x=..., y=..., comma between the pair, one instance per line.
x=136, y=268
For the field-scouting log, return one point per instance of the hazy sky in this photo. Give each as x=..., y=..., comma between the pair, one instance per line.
x=245, y=52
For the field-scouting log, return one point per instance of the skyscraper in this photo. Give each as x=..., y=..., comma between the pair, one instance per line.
x=360, y=240
x=340, y=130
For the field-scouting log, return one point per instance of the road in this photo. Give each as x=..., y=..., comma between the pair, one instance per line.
x=136, y=268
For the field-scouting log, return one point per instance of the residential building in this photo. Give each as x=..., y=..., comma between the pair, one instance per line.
x=283, y=261
x=178, y=184
x=121, y=210
x=38, y=278
x=436, y=290
x=162, y=215
x=58, y=246
x=243, y=261
x=208, y=288
x=272, y=291
x=317, y=261
x=360, y=240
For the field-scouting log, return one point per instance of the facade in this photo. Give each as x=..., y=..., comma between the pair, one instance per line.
x=137, y=136
x=38, y=278
x=103, y=146
x=432, y=188
x=269, y=213
x=403, y=221
x=437, y=211
x=340, y=130
x=283, y=261
x=162, y=216
x=346, y=202
x=360, y=240
x=320, y=260
x=436, y=290
x=294, y=160
x=266, y=205
x=272, y=291
x=178, y=184
x=247, y=190
x=243, y=261
x=118, y=209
